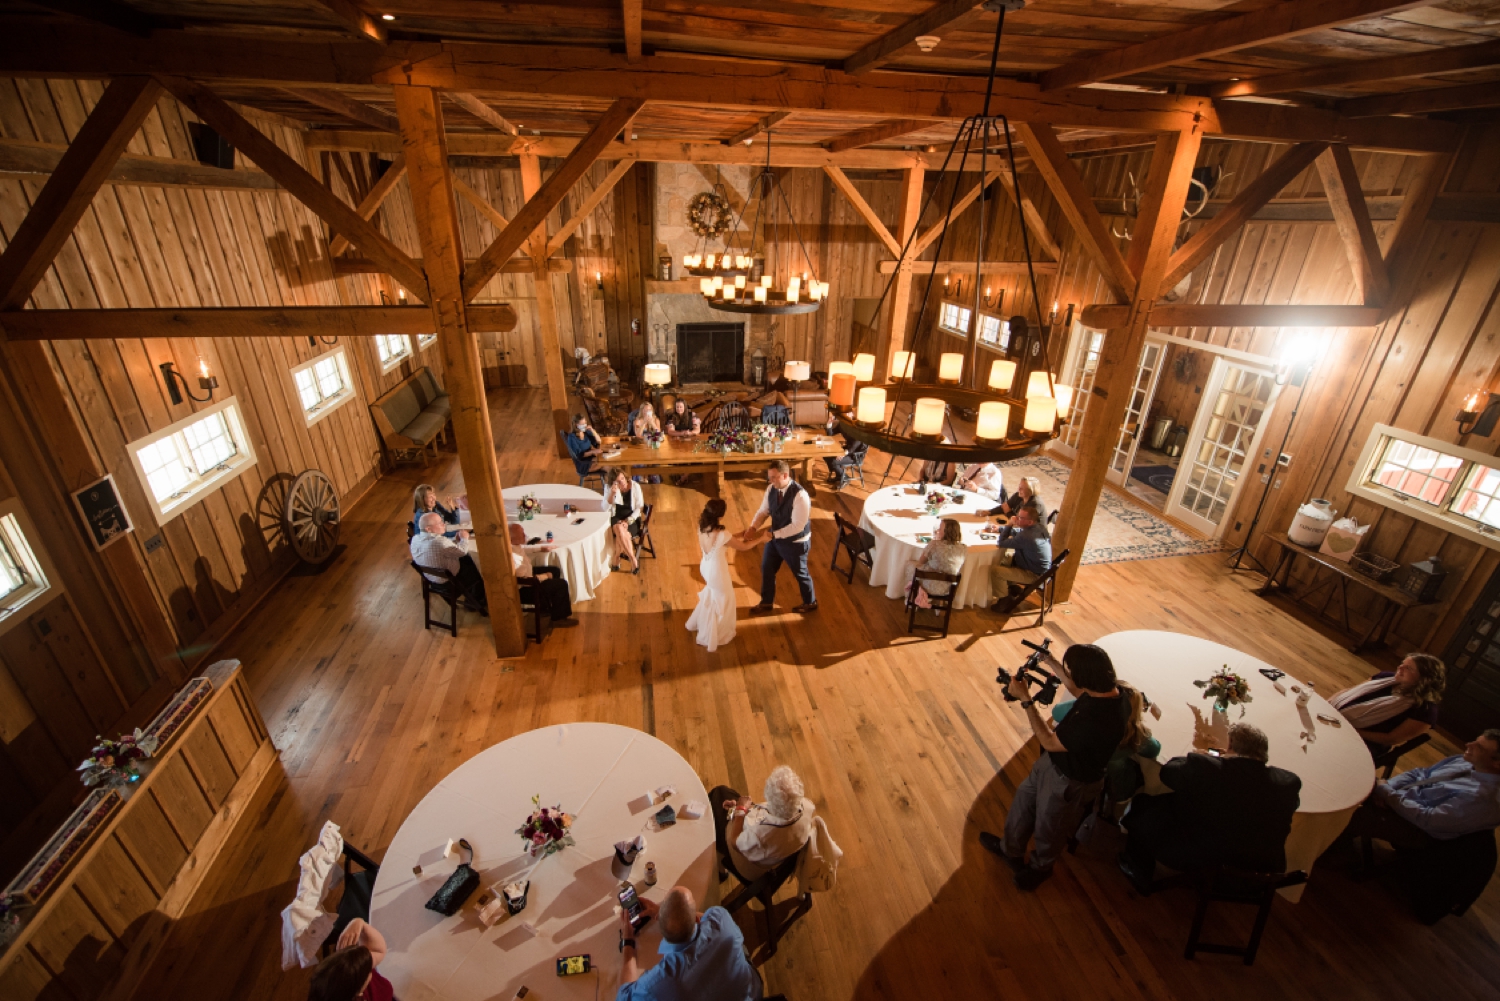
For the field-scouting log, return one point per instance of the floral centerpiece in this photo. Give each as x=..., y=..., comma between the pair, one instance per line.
x=547, y=829
x=528, y=508
x=934, y=502
x=1226, y=689
x=728, y=440
x=115, y=762
x=654, y=437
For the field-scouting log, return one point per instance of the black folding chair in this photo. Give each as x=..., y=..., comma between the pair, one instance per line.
x=859, y=544
x=1388, y=759
x=358, y=889
x=1225, y=884
x=764, y=889
x=941, y=603
x=445, y=587
x=541, y=622
x=640, y=533
x=1044, y=584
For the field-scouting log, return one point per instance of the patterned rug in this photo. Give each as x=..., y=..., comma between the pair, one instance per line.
x=1121, y=530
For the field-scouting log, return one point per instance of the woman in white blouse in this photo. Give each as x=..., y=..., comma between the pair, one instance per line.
x=624, y=501
x=984, y=478
x=754, y=838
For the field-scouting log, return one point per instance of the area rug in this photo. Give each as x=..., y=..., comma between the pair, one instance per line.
x=1155, y=477
x=1121, y=530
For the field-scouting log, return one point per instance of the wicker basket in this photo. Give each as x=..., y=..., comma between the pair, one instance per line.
x=1377, y=568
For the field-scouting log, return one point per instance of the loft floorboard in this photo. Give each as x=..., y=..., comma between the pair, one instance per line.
x=904, y=744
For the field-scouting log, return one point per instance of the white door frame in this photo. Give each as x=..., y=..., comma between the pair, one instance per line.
x=1122, y=477
x=1212, y=388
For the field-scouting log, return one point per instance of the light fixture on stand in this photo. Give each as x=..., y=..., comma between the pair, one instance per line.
x=656, y=375
x=994, y=396
x=795, y=372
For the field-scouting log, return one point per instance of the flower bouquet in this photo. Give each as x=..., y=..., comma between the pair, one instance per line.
x=113, y=762
x=728, y=440
x=1226, y=689
x=546, y=830
x=653, y=437
x=528, y=508
x=934, y=502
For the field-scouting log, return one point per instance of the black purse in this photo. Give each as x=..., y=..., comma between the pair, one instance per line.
x=458, y=887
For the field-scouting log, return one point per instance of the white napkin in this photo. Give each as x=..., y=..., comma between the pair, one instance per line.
x=693, y=809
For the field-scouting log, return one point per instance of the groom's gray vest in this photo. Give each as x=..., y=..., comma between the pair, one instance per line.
x=781, y=511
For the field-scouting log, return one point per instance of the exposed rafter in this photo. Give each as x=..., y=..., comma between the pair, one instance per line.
x=1347, y=198
x=483, y=112
x=842, y=182
x=274, y=321
x=480, y=203
x=892, y=43
x=1416, y=102
x=1102, y=317
x=1284, y=20
x=766, y=124
x=342, y=104
x=1365, y=71
x=931, y=233
x=371, y=203
x=879, y=132
x=110, y=13
x=589, y=204
x=630, y=11
x=23, y=157
x=359, y=22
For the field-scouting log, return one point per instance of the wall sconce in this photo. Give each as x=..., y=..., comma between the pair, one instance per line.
x=172, y=377
x=401, y=297
x=958, y=289
x=312, y=341
x=993, y=301
x=945, y=284
x=1052, y=316
x=599, y=280
x=1480, y=412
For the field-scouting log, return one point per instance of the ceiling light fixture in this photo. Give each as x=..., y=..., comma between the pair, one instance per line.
x=927, y=42
x=388, y=17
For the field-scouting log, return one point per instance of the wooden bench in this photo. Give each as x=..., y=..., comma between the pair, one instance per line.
x=412, y=416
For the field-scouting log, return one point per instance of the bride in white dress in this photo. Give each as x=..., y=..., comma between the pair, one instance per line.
x=713, y=618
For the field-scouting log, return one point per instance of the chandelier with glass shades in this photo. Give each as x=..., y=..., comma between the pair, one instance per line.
x=766, y=284
x=1017, y=406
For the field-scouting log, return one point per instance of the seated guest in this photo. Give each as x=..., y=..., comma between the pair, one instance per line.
x=682, y=422
x=983, y=478
x=1456, y=796
x=1394, y=706
x=424, y=500
x=839, y=466
x=584, y=444
x=1027, y=491
x=941, y=473
x=543, y=586
x=945, y=554
x=1235, y=810
x=756, y=837
x=349, y=973
x=431, y=548
x=1028, y=539
x=625, y=502
x=645, y=420
x=702, y=955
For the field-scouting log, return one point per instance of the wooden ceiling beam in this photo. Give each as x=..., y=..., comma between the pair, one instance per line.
x=1347, y=199
x=1035, y=224
x=534, y=213
x=630, y=11
x=766, y=124
x=890, y=45
x=483, y=112
x=480, y=203
x=20, y=157
x=275, y=161
x=1277, y=122
x=110, y=13
x=842, y=182
x=1417, y=102
x=342, y=104
x=1240, y=210
x=920, y=268
x=372, y=201
x=878, y=133
x=931, y=233
x=1284, y=20
x=1077, y=206
x=1448, y=60
x=1102, y=317
x=360, y=23
x=1417, y=205
x=514, y=266
x=71, y=188
x=276, y=321
x=590, y=203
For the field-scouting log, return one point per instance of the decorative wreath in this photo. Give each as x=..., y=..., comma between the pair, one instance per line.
x=709, y=214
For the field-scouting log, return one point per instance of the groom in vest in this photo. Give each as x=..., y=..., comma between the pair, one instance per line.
x=789, y=509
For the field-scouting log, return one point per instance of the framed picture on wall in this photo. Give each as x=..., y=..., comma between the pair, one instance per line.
x=103, y=512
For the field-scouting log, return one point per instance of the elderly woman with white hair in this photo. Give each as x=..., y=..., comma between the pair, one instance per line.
x=754, y=838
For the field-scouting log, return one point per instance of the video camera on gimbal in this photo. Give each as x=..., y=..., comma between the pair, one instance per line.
x=1033, y=672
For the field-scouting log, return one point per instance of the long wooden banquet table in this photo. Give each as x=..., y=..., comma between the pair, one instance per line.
x=680, y=456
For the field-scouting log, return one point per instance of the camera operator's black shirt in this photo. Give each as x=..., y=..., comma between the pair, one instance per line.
x=1091, y=732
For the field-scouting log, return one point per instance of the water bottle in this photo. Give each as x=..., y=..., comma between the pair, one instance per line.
x=549, y=536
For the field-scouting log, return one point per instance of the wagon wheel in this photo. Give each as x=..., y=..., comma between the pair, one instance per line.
x=311, y=517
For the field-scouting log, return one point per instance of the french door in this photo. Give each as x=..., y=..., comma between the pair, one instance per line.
x=1140, y=401
x=1080, y=375
x=1223, y=443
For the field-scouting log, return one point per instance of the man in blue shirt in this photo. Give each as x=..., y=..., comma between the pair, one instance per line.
x=702, y=956
x=1456, y=796
x=1028, y=539
x=583, y=445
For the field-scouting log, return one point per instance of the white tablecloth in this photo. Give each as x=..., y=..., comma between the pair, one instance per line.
x=582, y=550
x=598, y=771
x=1336, y=770
x=895, y=515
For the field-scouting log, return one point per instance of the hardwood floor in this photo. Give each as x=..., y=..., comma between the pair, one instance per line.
x=904, y=744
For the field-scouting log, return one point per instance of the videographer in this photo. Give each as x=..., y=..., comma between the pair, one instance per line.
x=1070, y=772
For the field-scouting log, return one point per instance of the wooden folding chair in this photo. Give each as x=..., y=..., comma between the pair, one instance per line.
x=941, y=603
x=764, y=889
x=542, y=622
x=1230, y=885
x=859, y=544
x=446, y=588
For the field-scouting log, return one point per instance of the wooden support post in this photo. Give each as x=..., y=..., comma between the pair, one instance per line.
x=419, y=110
x=1156, y=231
x=898, y=307
x=546, y=308
x=1352, y=217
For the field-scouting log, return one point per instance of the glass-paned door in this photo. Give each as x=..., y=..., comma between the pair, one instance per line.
x=1140, y=401
x=1081, y=377
x=1224, y=440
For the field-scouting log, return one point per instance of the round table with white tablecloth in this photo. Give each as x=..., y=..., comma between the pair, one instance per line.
x=599, y=772
x=581, y=550
x=1336, y=770
x=897, y=516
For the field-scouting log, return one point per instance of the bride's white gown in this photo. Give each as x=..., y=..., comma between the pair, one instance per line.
x=713, y=619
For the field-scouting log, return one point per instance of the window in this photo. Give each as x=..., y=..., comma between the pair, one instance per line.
x=954, y=318
x=1454, y=488
x=993, y=330
x=425, y=341
x=25, y=573
x=393, y=348
x=323, y=384
x=180, y=463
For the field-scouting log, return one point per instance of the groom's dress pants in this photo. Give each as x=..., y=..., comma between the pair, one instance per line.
x=794, y=554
